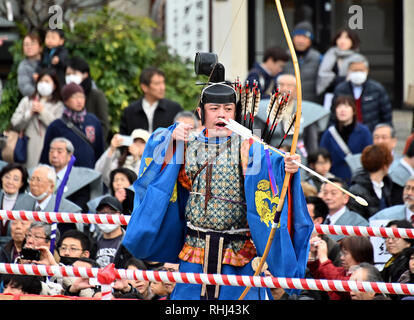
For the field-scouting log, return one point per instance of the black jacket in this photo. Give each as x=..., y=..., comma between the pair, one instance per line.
x=361, y=185
x=60, y=68
x=375, y=103
x=134, y=116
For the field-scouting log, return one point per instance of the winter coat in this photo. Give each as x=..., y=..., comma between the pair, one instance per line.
x=327, y=270
x=309, y=65
x=60, y=67
x=25, y=80
x=86, y=154
x=35, y=125
x=266, y=83
x=358, y=140
x=361, y=185
x=332, y=69
x=375, y=103
x=96, y=103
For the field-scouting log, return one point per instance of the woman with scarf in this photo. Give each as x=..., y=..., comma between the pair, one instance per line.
x=345, y=132
x=333, y=67
x=82, y=128
x=36, y=112
x=96, y=103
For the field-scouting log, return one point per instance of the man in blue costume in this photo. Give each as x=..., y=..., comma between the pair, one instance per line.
x=208, y=201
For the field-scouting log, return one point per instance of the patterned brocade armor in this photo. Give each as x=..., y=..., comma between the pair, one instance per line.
x=221, y=182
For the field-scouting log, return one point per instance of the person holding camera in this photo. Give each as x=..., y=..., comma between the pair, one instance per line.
x=37, y=251
x=37, y=240
x=124, y=152
x=83, y=287
x=354, y=250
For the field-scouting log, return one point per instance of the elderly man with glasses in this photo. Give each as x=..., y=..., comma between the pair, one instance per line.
x=38, y=238
x=42, y=184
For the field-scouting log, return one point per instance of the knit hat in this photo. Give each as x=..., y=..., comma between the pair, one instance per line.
x=69, y=90
x=303, y=28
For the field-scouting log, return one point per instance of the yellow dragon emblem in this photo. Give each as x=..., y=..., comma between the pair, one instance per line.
x=265, y=204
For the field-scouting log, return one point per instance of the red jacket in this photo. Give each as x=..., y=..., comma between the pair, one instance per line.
x=329, y=271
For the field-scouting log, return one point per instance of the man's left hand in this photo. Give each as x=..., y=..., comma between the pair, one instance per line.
x=290, y=166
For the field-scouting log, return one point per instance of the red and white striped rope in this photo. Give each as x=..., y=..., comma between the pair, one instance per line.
x=94, y=218
x=64, y=217
x=220, y=279
x=365, y=231
x=106, y=290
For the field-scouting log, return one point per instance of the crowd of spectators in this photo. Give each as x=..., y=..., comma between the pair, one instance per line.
x=64, y=115
x=355, y=148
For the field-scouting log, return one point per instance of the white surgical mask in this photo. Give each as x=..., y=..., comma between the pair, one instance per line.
x=107, y=228
x=358, y=77
x=73, y=78
x=44, y=88
x=39, y=197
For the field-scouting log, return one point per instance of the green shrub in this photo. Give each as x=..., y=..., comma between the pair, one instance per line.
x=117, y=47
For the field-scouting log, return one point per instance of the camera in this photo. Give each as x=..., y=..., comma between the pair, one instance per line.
x=206, y=63
x=30, y=254
x=126, y=140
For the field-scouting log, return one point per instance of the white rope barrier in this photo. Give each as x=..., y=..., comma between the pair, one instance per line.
x=213, y=279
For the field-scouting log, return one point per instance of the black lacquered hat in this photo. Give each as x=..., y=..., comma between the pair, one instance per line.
x=218, y=93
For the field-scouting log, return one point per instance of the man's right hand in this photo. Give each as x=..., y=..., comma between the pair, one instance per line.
x=182, y=132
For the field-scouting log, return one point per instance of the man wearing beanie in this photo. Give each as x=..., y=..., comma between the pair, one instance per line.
x=83, y=129
x=308, y=58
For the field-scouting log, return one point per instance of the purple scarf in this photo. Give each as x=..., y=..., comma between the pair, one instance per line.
x=74, y=116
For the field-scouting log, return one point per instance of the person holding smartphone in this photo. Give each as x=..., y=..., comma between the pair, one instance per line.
x=37, y=243
x=36, y=251
x=83, y=287
x=124, y=151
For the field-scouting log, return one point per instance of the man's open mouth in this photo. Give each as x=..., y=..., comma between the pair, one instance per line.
x=220, y=124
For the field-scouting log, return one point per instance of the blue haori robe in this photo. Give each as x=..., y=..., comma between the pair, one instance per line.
x=158, y=230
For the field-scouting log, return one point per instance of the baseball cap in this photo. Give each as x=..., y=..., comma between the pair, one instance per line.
x=111, y=202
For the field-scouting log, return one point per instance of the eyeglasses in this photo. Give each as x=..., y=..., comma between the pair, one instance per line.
x=36, y=179
x=392, y=239
x=30, y=44
x=13, y=178
x=409, y=188
x=69, y=249
x=34, y=236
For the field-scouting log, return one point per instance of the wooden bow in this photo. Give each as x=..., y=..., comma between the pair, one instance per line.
x=294, y=141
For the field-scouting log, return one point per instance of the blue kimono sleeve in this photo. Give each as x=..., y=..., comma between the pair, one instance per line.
x=289, y=251
x=156, y=229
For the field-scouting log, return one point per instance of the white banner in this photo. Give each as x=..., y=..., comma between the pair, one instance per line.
x=381, y=254
x=188, y=27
